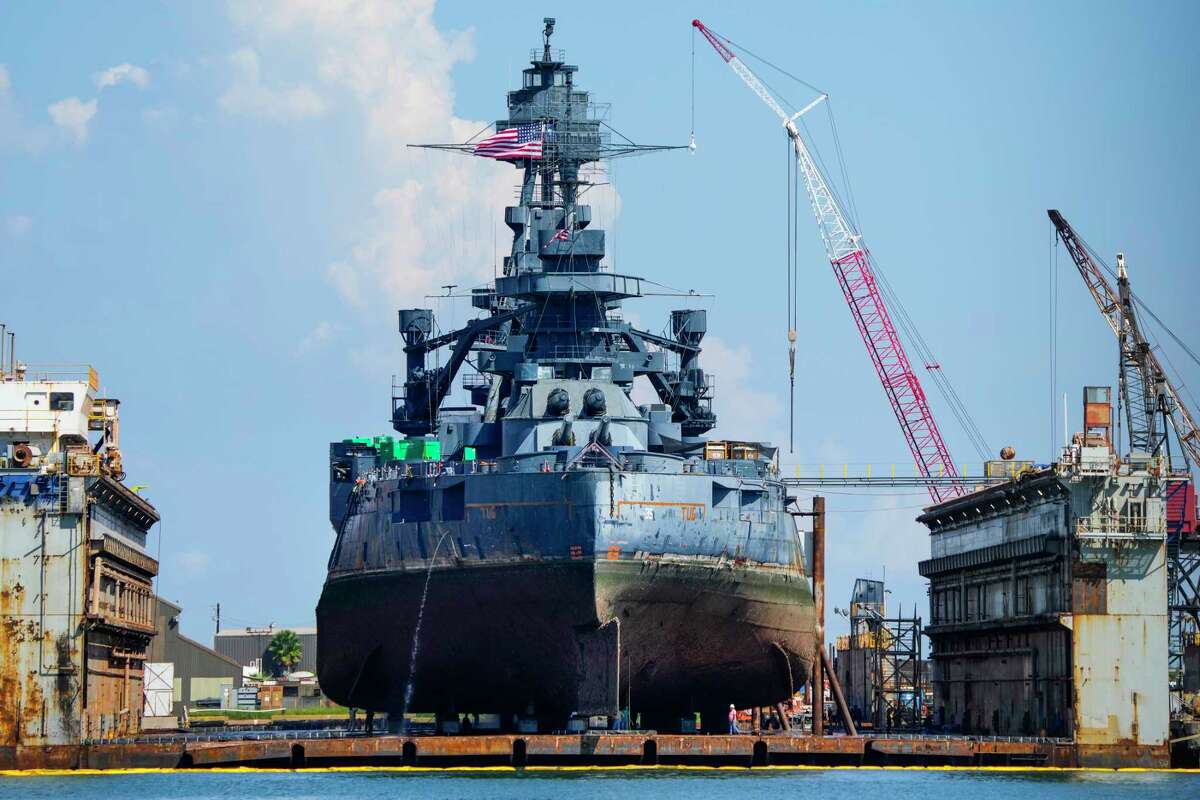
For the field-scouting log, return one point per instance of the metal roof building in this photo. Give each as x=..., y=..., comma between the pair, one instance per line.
x=200, y=673
x=250, y=647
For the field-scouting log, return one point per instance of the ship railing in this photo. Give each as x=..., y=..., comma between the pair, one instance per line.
x=429, y=469
x=589, y=135
x=497, y=338
x=476, y=380
x=1116, y=527
x=573, y=352
x=556, y=54
x=58, y=373
x=571, y=323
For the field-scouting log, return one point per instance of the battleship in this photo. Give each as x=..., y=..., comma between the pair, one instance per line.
x=556, y=549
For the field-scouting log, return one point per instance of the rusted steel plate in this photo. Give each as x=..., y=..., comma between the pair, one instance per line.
x=838, y=745
x=48, y=757
x=602, y=745
x=368, y=747
x=438, y=746
x=213, y=753
x=946, y=748
x=705, y=745
x=126, y=756
x=1123, y=755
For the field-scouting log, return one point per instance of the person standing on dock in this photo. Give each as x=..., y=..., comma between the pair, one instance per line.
x=733, y=726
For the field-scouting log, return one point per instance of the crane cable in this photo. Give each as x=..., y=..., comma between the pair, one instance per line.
x=692, y=140
x=909, y=328
x=791, y=258
x=1053, y=337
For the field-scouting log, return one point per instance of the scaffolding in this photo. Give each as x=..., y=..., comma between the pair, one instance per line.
x=881, y=662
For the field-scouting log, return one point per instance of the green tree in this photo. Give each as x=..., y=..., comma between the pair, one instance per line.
x=286, y=650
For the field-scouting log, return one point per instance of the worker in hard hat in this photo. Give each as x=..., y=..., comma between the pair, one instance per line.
x=733, y=726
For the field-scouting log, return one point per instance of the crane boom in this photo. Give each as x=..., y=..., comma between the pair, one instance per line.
x=856, y=276
x=1145, y=390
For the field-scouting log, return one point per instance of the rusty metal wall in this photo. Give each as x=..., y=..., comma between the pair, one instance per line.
x=75, y=616
x=1049, y=613
x=42, y=578
x=114, y=687
x=856, y=672
x=1008, y=683
x=1120, y=654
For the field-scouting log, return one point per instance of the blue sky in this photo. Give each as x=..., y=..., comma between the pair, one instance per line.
x=214, y=205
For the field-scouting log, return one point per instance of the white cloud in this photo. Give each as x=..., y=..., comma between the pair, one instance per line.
x=15, y=131
x=73, y=115
x=160, y=117
x=321, y=333
x=247, y=96
x=743, y=411
x=432, y=214
x=122, y=73
x=18, y=225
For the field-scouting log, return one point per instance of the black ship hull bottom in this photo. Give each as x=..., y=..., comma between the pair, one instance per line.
x=663, y=639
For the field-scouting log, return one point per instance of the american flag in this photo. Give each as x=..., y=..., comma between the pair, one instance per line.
x=523, y=141
x=561, y=236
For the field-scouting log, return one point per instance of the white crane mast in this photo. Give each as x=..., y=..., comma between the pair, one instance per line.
x=839, y=238
x=856, y=277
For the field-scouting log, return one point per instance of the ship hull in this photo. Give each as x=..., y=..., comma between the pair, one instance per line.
x=587, y=636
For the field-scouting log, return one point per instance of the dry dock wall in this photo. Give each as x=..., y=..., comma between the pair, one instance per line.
x=1048, y=605
x=76, y=610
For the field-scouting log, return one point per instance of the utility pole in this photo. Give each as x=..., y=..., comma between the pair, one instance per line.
x=217, y=618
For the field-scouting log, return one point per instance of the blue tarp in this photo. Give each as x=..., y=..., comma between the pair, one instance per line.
x=19, y=488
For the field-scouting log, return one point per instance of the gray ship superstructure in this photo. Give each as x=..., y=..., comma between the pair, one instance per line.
x=557, y=547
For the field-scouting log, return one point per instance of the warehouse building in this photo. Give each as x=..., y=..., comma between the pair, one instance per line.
x=250, y=647
x=199, y=675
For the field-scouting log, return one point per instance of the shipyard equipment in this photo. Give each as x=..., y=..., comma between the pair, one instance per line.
x=856, y=275
x=555, y=548
x=1152, y=406
x=879, y=663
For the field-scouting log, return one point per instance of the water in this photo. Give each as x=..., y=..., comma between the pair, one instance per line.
x=411, y=686
x=660, y=783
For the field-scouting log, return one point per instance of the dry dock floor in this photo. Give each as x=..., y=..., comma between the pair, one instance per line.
x=588, y=749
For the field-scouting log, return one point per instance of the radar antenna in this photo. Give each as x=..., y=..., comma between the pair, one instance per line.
x=546, y=34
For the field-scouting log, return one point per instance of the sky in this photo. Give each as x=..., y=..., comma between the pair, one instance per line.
x=215, y=206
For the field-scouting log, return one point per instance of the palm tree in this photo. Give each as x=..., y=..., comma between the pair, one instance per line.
x=285, y=648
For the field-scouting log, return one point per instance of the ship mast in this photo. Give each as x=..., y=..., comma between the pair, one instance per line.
x=554, y=312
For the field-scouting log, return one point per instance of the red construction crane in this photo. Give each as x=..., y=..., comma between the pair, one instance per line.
x=852, y=265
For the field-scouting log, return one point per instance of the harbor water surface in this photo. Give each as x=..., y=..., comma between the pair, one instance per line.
x=662, y=784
